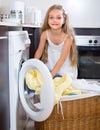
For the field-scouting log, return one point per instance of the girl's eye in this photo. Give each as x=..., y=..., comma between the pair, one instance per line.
x=51, y=18
x=58, y=18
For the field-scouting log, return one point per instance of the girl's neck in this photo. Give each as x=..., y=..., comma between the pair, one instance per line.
x=56, y=31
x=56, y=36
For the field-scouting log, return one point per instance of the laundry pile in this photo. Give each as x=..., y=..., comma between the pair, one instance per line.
x=62, y=85
x=34, y=80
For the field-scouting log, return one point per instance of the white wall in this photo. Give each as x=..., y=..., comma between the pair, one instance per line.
x=40, y=4
x=82, y=13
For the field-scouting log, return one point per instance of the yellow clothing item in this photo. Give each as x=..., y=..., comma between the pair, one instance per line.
x=62, y=85
x=34, y=80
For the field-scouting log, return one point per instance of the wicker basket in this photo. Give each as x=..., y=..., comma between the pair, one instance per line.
x=80, y=114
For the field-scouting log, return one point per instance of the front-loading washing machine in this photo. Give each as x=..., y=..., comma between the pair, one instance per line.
x=19, y=44
x=21, y=109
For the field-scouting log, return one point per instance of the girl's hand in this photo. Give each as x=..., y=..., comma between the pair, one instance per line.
x=52, y=75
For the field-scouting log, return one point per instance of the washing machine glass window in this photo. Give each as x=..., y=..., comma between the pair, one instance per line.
x=37, y=106
x=24, y=57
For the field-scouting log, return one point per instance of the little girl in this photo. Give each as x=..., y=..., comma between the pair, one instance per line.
x=57, y=48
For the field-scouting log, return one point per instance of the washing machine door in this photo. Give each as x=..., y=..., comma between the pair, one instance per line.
x=42, y=110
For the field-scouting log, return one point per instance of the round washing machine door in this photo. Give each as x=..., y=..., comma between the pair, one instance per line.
x=41, y=110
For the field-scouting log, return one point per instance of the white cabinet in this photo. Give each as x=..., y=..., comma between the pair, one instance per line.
x=83, y=13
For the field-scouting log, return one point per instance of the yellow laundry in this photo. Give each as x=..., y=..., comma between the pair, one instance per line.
x=34, y=80
x=71, y=91
x=62, y=85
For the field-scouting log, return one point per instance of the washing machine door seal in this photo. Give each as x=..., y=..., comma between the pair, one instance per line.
x=47, y=95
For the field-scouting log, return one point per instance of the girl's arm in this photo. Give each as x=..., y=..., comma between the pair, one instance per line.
x=41, y=45
x=64, y=54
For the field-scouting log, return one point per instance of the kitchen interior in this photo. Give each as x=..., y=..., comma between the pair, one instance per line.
x=23, y=19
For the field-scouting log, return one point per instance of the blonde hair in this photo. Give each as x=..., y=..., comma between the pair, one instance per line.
x=66, y=29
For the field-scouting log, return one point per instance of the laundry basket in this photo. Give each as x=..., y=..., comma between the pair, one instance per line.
x=79, y=114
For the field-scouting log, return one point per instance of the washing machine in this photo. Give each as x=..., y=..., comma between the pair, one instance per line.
x=22, y=108
x=19, y=44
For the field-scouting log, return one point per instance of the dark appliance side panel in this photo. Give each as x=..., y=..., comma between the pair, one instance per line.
x=4, y=81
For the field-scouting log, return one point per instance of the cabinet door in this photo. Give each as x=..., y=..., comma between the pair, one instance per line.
x=4, y=82
x=34, y=35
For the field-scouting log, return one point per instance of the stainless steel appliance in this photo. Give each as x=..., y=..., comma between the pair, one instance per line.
x=89, y=56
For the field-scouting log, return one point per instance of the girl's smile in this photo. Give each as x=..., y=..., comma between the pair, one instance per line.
x=56, y=19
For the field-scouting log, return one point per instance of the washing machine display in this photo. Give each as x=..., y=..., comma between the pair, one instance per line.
x=44, y=108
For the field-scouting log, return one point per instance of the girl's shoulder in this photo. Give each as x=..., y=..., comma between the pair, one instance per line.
x=44, y=35
x=70, y=37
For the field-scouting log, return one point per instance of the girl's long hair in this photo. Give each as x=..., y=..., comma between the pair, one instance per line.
x=67, y=29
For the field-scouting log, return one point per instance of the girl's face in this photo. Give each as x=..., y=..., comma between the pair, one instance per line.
x=56, y=19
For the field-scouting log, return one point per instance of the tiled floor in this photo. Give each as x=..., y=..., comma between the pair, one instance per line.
x=24, y=123
x=30, y=125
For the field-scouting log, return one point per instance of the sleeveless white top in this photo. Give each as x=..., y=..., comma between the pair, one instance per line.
x=54, y=53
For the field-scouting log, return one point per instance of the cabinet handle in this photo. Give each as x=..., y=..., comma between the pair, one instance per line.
x=30, y=34
x=97, y=62
x=3, y=37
